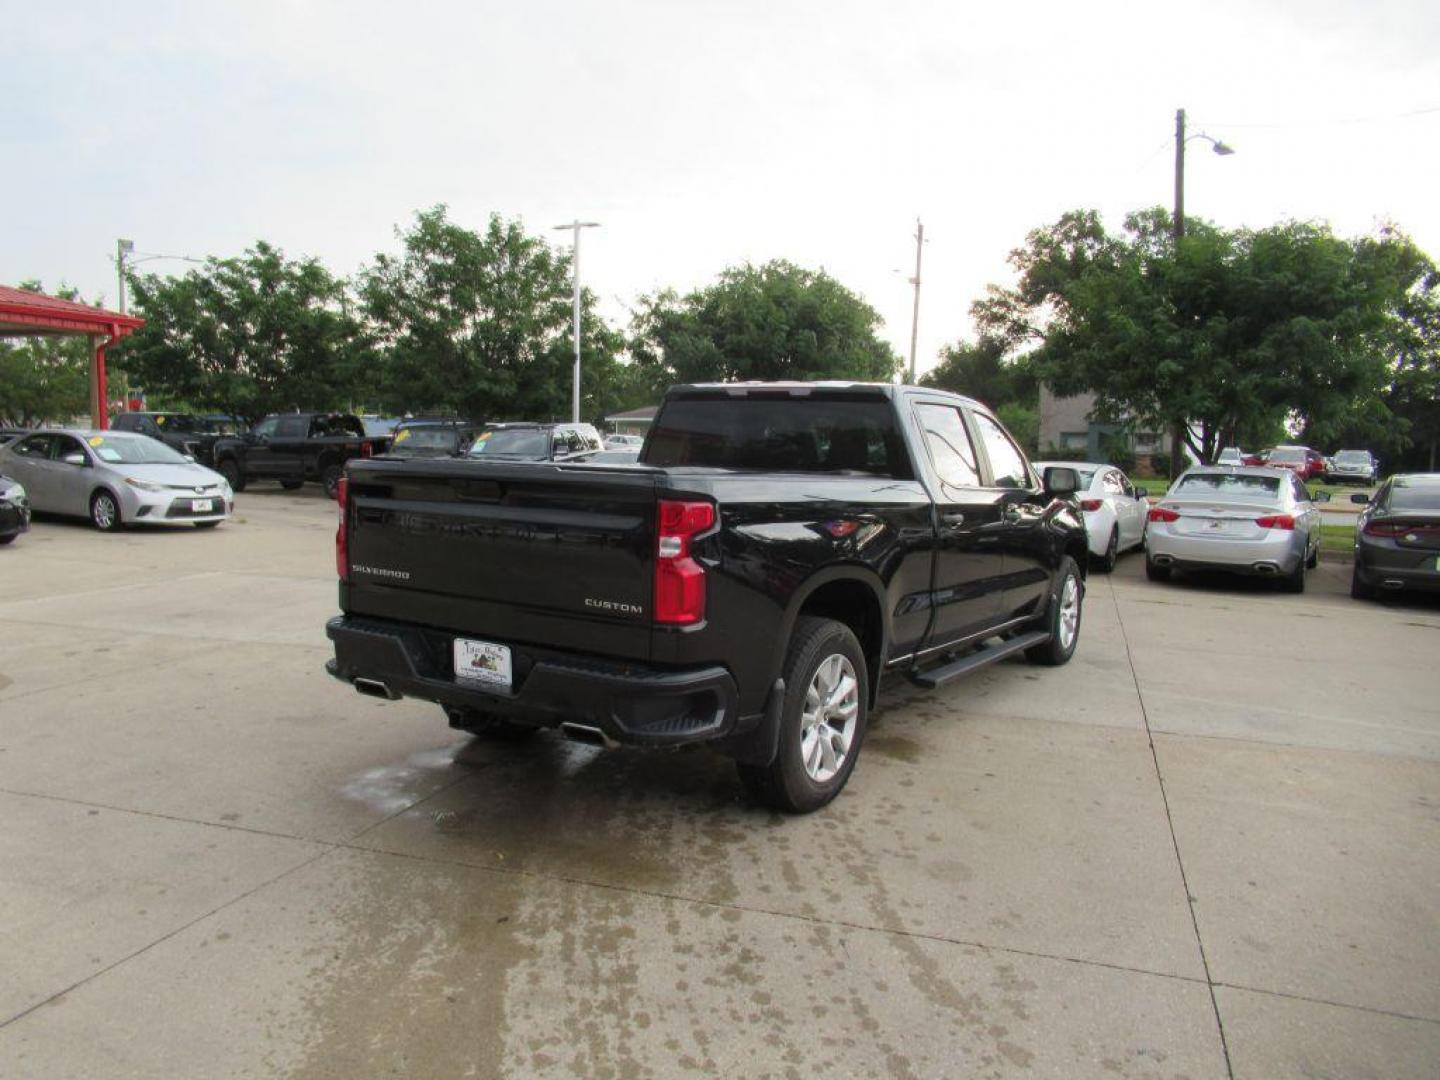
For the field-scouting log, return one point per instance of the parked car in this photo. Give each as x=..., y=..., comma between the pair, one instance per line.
x=380, y=426
x=115, y=479
x=1306, y=463
x=433, y=438
x=193, y=435
x=295, y=447
x=1115, y=509
x=779, y=548
x=1233, y=455
x=536, y=442
x=10, y=433
x=1397, y=537
x=1352, y=466
x=1259, y=457
x=14, y=509
x=619, y=442
x=623, y=455
x=1241, y=520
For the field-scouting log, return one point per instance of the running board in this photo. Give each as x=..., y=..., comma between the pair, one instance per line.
x=939, y=676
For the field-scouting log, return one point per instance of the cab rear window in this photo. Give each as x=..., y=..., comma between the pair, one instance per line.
x=780, y=434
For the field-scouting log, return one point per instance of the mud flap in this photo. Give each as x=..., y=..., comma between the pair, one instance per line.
x=760, y=744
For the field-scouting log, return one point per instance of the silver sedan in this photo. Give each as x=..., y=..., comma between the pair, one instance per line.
x=115, y=479
x=1241, y=520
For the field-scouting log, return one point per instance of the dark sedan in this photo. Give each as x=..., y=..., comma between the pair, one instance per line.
x=1397, y=539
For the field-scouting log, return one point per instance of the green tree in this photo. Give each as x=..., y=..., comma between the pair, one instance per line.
x=44, y=379
x=777, y=321
x=247, y=336
x=1232, y=332
x=480, y=323
x=985, y=371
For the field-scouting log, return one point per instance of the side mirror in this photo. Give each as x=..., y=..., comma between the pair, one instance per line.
x=190, y=458
x=1061, y=481
x=1320, y=496
x=75, y=458
x=1142, y=493
x=1362, y=500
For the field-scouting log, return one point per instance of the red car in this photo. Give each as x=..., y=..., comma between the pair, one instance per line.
x=1309, y=464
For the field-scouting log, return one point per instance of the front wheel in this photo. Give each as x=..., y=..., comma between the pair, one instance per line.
x=822, y=720
x=234, y=475
x=1062, y=618
x=105, y=511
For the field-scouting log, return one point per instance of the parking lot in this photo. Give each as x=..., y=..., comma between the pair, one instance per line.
x=1206, y=847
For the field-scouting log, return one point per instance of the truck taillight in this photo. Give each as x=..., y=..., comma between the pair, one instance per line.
x=1163, y=513
x=366, y=449
x=1276, y=521
x=679, y=579
x=1091, y=505
x=342, y=531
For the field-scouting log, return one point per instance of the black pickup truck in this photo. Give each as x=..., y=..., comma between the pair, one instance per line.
x=776, y=551
x=193, y=435
x=295, y=447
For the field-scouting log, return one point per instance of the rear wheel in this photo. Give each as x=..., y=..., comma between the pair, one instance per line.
x=822, y=720
x=1360, y=589
x=8, y=539
x=291, y=485
x=105, y=511
x=1314, y=560
x=1154, y=571
x=234, y=475
x=1294, y=582
x=1062, y=618
x=330, y=476
x=1107, y=562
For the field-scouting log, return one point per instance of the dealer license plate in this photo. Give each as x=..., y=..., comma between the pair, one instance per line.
x=201, y=506
x=482, y=662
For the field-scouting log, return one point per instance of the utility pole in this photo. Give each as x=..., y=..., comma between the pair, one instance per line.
x=915, y=314
x=575, y=227
x=1177, y=435
x=122, y=249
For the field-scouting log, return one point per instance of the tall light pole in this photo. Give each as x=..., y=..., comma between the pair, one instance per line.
x=122, y=249
x=915, y=313
x=125, y=257
x=575, y=226
x=1178, y=230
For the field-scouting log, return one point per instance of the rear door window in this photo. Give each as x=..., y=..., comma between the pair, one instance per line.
x=36, y=446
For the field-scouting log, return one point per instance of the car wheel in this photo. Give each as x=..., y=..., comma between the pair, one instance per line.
x=234, y=475
x=1360, y=589
x=1314, y=560
x=484, y=725
x=1106, y=562
x=291, y=485
x=105, y=511
x=8, y=539
x=330, y=477
x=1294, y=582
x=822, y=720
x=1062, y=618
x=1154, y=571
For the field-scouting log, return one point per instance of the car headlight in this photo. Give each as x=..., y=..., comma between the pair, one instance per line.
x=144, y=485
x=15, y=493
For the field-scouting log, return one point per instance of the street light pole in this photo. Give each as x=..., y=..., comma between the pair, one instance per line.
x=575, y=227
x=122, y=249
x=915, y=314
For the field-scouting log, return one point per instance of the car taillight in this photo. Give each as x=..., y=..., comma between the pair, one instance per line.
x=342, y=531
x=1389, y=529
x=366, y=449
x=1163, y=513
x=1091, y=505
x=1276, y=521
x=679, y=579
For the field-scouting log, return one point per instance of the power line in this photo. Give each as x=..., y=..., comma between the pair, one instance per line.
x=1334, y=122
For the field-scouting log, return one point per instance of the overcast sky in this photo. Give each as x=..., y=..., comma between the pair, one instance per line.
x=701, y=135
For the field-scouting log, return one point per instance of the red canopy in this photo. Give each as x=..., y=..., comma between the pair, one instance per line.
x=29, y=314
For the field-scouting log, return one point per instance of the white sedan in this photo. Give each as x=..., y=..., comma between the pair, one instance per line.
x=1114, y=509
x=115, y=479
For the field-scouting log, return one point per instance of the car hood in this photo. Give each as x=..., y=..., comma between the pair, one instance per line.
x=185, y=475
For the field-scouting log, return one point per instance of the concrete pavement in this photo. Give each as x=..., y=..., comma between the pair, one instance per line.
x=1208, y=847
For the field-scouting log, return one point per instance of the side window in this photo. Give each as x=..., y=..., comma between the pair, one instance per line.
x=1301, y=495
x=1006, y=462
x=1110, y=482
x=266, y=428
x=949, y=444
x=297, y=427
x=559, y=447
x=65, y=444
x=37, y=446
x=575, y=443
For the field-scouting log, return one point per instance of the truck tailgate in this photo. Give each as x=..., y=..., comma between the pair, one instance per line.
x=531, y=553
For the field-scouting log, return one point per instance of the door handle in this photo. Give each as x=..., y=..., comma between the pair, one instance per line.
x=1012, y=514
x=953, y=520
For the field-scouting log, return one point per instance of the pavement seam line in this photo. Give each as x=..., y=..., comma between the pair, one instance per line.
x=164, y=938
x=1174, y=840
x=1287, y=995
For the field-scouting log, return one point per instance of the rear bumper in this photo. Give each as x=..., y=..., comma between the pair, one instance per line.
x=630, y=703
x=1385, y=567
x=1278, y=553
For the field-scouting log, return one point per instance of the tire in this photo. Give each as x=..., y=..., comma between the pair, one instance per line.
x=1294, y=582
x=8, y=539
x=1106, y=563
x=1062, y=618
x=485, y=725
x=824, y=671
x=1359, y=589
x=291, y=485
x=1314, y=560
x=105, y=511
x=206, y=524
x=234, y=475
x=330, y=474
x=1154, y=571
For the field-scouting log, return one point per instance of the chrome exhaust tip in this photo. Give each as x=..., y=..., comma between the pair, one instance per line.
x=1392, y=583
x=585, y=733
x=1265, y=569
x=375, y=688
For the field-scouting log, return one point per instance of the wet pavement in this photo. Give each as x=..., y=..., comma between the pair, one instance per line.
x=1208, y=847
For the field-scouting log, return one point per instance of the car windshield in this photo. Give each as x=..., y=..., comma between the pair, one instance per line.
x=1358, y=457
x=522, y=444
x=427, y=438
x=1415, y=495
x=1231, y=485
x=133, y=450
